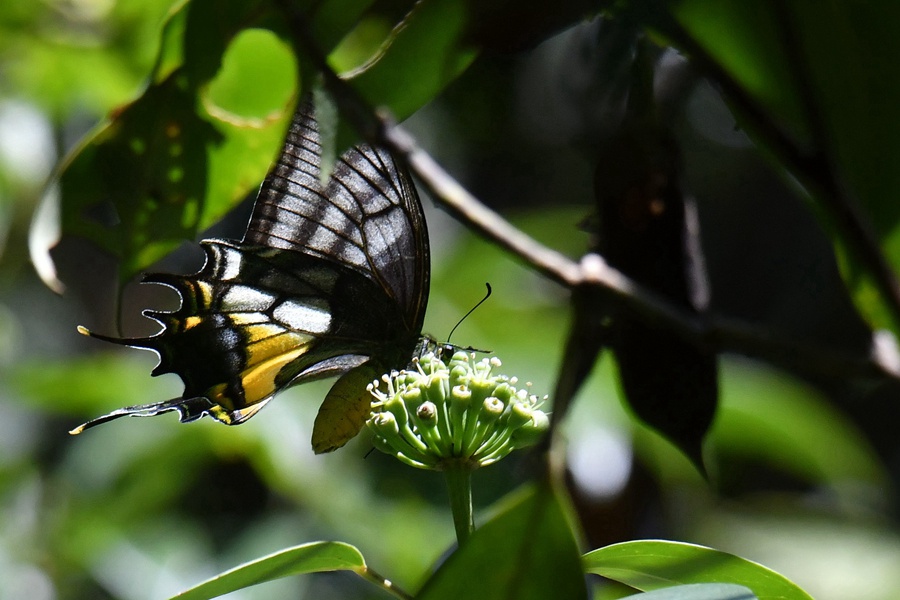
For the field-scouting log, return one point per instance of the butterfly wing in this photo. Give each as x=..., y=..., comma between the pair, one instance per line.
x=326, y=279
x=368, y=216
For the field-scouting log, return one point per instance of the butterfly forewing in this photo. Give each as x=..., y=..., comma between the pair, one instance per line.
x=367, y=217
x=327, y=279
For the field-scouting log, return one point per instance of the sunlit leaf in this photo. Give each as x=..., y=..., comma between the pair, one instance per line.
x=655, y=564
x=203, y=134
x=526, y=551
x=69, y=74
x=256, y=59
x=198, y=140
x=316, y=557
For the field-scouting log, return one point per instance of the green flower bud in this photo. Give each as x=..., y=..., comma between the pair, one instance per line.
x=520, y=414
x=491, y=410
x=460, y=399
x=529, y=433
x=396, y=406
x=411, y=398
x=385, y=425
x=427, y=413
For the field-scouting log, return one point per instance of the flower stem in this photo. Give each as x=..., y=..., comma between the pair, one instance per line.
x=459, y=485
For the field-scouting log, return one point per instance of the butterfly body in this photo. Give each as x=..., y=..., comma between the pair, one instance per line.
x=329, y=278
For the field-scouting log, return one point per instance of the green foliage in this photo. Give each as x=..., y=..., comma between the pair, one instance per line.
x=526, y=551
x=181, y=156
x=193, y=98
x=202, y=135
x=656, y=564
x=317, y=557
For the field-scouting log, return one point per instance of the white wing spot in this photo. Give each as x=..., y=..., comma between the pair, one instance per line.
x=232, y=260
x=311, y=315
x=241, y=298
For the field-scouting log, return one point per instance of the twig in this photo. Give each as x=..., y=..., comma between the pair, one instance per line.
x=721, y=335
x=471, y=211
x=728, y=335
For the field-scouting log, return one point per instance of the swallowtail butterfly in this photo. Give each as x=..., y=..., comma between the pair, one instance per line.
x=329, y=279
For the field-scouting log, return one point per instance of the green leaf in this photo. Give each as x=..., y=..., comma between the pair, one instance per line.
x=77, y=65
x=204, y=132
x=419, y=59
x=527, y=551
x=256, y=80
x=316, y=557
x=699, y=591
x=817, y=74
x=198, y=140
x=655, y=564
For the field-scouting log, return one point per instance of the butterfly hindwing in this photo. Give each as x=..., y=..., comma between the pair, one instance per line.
x=327, y=279
x=344, y=410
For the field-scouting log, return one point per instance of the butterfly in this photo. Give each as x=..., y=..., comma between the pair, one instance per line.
x=328, y=280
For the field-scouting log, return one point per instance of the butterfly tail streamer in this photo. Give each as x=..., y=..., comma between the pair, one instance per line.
x=133, y=342
x=189, y=410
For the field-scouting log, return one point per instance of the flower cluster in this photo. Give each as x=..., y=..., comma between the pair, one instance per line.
x=459, y=413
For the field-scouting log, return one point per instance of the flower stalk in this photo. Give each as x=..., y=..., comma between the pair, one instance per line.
x=459, y=486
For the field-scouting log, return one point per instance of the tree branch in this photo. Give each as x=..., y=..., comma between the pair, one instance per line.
x=718, y=334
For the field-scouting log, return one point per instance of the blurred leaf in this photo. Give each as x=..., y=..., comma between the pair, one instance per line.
x=773, y=417
x=68, y=68
x=87, y=385
x=816, y=72
x=526, y=551
x=361, y=43
x=769, y=418
x=699, y=591
x=655, y=564
x=833, y=555
x=316, y=557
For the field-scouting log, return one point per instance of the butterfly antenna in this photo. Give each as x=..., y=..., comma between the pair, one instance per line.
x=471, y=310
